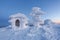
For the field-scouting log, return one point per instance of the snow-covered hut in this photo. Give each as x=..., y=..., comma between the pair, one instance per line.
x=18, y=21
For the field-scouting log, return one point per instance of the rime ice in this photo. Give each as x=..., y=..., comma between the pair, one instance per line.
x=20, y=29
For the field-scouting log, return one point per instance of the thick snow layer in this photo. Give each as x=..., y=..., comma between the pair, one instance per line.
x=36, y=11
x=47, y=32
x=18, y=15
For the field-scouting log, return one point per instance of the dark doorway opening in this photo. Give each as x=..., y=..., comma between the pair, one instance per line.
x=17, y=23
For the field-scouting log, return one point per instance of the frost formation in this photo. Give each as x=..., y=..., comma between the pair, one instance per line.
x=38, y=30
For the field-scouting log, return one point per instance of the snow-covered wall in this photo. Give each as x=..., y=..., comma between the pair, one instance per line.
x=22, y=19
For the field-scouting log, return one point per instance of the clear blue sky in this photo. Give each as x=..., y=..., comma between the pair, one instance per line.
x=8, y=7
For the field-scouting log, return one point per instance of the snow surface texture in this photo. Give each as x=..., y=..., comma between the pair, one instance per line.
x=45, y=31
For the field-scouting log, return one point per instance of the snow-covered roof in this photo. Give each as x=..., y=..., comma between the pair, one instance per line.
x=18, y=15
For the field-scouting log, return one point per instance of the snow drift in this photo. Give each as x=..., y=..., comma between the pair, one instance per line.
x=38, y=30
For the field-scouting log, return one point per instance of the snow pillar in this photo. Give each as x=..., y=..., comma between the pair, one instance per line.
x=36, y=15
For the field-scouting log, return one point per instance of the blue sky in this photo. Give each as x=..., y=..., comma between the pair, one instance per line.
x=9, y=7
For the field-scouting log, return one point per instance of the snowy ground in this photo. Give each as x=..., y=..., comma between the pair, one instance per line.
x=47, y=32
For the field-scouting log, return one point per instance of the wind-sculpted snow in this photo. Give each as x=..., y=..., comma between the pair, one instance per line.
x=37, y=30
x=47, y=32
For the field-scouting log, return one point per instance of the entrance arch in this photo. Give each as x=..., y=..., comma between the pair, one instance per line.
x=17, y=23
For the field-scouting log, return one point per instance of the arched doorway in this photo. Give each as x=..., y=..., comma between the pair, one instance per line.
x=17, y=23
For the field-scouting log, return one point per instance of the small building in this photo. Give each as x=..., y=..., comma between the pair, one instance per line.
x=18, y=21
